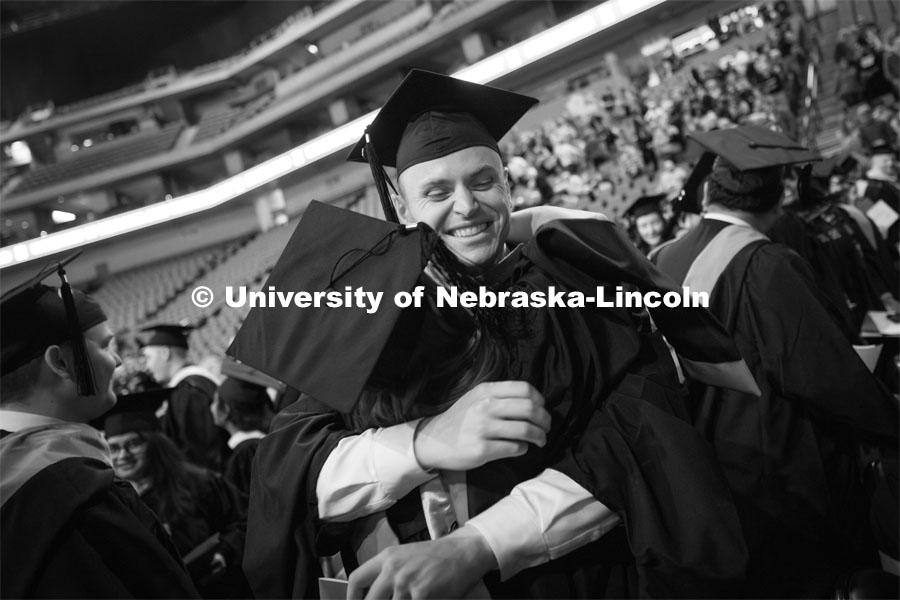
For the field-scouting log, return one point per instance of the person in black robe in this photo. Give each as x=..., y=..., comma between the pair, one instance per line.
x=244, y=410
x=648, y=226
x=70, y=528
x=201, y=511
x=594, y=366
x=641, y=414
x=187, y=420
x=846, y=250
x=881, y=194
x=791, y=456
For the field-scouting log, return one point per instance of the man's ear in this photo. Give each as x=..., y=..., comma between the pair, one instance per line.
x=400, y=206
x=508, y=188
x=58, y=361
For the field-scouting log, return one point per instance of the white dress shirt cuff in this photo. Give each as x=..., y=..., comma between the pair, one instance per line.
x=542, y=519
x=369, y=472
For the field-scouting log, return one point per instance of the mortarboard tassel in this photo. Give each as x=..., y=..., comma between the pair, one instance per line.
x=84, y=372
x=502, y=324
x=382, y=181
x=688, y=200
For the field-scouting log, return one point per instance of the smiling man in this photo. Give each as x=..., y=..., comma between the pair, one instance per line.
x=475, y=225
x=69, y=528
x=546, y=523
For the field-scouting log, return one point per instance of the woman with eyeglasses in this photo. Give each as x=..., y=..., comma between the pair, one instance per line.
x=201, y=511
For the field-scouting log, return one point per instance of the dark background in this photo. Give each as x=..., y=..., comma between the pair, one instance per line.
x=69, y=50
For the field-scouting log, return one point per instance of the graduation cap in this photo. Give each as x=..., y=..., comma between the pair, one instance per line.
x=36, y=316
x=168, y=335
x=135, y=412
x=880, y=146
x=645, y=205
x=826, y=168
x=746, y=161
x=243, y=396
x=333, y=353
x=429, y=116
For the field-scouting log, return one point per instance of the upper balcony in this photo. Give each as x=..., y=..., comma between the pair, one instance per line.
x=393, y=45
x=304, y=25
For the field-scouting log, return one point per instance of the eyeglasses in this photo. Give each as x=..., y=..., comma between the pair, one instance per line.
x=131, y=446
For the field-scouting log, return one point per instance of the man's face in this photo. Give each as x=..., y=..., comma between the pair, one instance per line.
x=650, y=228
x=864, y=115
x=157, y=359
x=129, y=456
x=885, y=163
x=464, y=197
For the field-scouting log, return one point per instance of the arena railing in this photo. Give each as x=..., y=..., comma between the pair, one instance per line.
x=509, y=60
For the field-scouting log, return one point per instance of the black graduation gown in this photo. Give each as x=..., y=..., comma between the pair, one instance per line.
x=789, y=456
x=855, y=264
x=214, y=508
x=887, y=192
x=73, y=531
x=239, y=466
x=792, y=231
x=189, y=423
x=617, y=431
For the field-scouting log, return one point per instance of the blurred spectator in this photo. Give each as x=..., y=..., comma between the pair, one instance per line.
x=647, y=226
x=187, y=421
x=244, y=410
x=671, y=178
x=873, y=132
x=879, y=195
x=847, y=85
x=199, y=509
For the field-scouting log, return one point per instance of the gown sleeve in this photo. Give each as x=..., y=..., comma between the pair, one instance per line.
x=280, y=558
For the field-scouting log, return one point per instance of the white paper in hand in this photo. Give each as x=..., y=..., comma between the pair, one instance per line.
x=332, y=589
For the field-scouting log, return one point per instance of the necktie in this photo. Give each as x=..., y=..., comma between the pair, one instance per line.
x=439, y=514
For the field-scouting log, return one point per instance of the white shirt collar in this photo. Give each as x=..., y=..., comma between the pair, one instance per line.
x=716, y=216
x=14, y=420
x=190, y=370
x=242, y=436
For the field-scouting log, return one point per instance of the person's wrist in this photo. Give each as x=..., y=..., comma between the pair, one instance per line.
x=421, y=446
x=474, y=549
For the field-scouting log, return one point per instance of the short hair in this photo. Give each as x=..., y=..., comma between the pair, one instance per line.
x=249, y=416
x=16, y=384
x=757, y=202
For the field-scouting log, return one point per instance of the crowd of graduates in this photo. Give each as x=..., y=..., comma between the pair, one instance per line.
x=622, y=145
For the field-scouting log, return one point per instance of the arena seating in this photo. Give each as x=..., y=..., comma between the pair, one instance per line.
x=248, y=265
x=133, y=297
x=104, y=156
x=101, y=99
x=219, y=121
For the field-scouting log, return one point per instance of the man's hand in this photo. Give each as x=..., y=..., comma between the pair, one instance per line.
x=492, y=421
x=890, y=303
x=448, y=567
x=217, y=563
